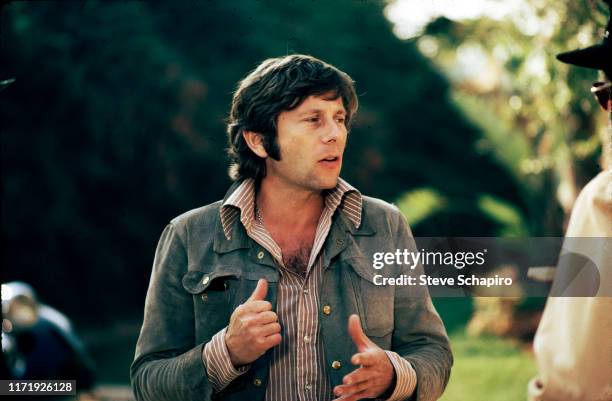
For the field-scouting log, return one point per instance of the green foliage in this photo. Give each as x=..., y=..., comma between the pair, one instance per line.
x=505, y=214
x=537, y=117
x=499, y=139
x=419, y=204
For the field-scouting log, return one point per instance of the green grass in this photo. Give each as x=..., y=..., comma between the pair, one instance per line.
x=485, y=368
x=488, y=369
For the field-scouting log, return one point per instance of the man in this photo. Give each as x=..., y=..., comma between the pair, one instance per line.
x=252, y=297
x=573, y=344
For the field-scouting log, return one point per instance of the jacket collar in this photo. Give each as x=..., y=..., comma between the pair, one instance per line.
x=239, y=238
x=337, y=240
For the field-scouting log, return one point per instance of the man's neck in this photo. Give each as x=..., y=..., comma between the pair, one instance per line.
x=287, y=207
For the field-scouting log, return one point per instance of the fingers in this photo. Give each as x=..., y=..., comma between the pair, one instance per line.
x=253, y=328
x=254, y=322
x=270, y=341
x=270, y=329
x=374, y=376
x=247, y=340
x=360, y=383
x=364, y=359
x=263, y=344
x=265, y=317
x=255, y=306
x=256, y=302
x=356, y=376
x=260, y=292
x=359, y=338
x=354, y=396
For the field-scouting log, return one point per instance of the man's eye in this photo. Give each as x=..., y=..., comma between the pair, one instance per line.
x=341, y=120
x=313, y=119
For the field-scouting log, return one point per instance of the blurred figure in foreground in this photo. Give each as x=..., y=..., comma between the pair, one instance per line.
x=573, y=344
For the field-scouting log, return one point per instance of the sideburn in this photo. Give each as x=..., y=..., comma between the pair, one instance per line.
x=271, y=146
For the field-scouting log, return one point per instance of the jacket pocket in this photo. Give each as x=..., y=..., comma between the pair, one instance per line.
x=375, y=302
x=213, y=293
x=212, y=286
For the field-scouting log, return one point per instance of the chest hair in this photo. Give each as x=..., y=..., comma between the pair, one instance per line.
x=296, y=257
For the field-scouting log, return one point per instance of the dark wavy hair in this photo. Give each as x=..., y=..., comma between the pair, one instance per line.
x=276, y=85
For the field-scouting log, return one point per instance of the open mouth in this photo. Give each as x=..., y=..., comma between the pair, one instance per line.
x=330, y=161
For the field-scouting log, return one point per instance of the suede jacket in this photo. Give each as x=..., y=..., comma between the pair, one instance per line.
x=199, y=277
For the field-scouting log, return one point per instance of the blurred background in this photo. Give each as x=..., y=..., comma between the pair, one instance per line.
x=115, y=124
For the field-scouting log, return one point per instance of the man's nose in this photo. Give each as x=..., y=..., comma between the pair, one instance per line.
x=333, y=131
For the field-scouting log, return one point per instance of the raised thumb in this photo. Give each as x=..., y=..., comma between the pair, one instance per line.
x=260, y=292
x=356, y=332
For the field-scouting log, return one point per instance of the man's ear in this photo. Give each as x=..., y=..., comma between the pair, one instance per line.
x=255, y=142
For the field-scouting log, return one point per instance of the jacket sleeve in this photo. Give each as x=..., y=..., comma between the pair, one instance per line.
x=168, y=364
x=419, y=335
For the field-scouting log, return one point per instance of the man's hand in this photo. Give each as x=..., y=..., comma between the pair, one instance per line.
x=253, y=328
x=375, y=374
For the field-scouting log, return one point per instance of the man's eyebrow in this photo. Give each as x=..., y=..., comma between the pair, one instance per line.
x=317, y=111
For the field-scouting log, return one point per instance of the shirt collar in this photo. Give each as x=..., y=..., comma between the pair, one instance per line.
x=241, y=204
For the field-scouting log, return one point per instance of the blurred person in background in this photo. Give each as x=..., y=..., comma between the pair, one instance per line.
x=573, y=343
x=39, y=342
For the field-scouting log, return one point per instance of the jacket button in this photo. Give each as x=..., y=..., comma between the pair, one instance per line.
x=260, y=255
x=205, y=297
x=336, y=365
x=257, y=382
x=327, y=310
x=206, y=280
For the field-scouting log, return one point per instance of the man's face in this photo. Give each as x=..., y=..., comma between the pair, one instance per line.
x=311, y=139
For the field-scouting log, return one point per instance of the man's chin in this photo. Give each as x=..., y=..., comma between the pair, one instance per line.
x=329, y=183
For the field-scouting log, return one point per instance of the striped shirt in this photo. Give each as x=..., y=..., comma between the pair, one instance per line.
x=298, y=369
